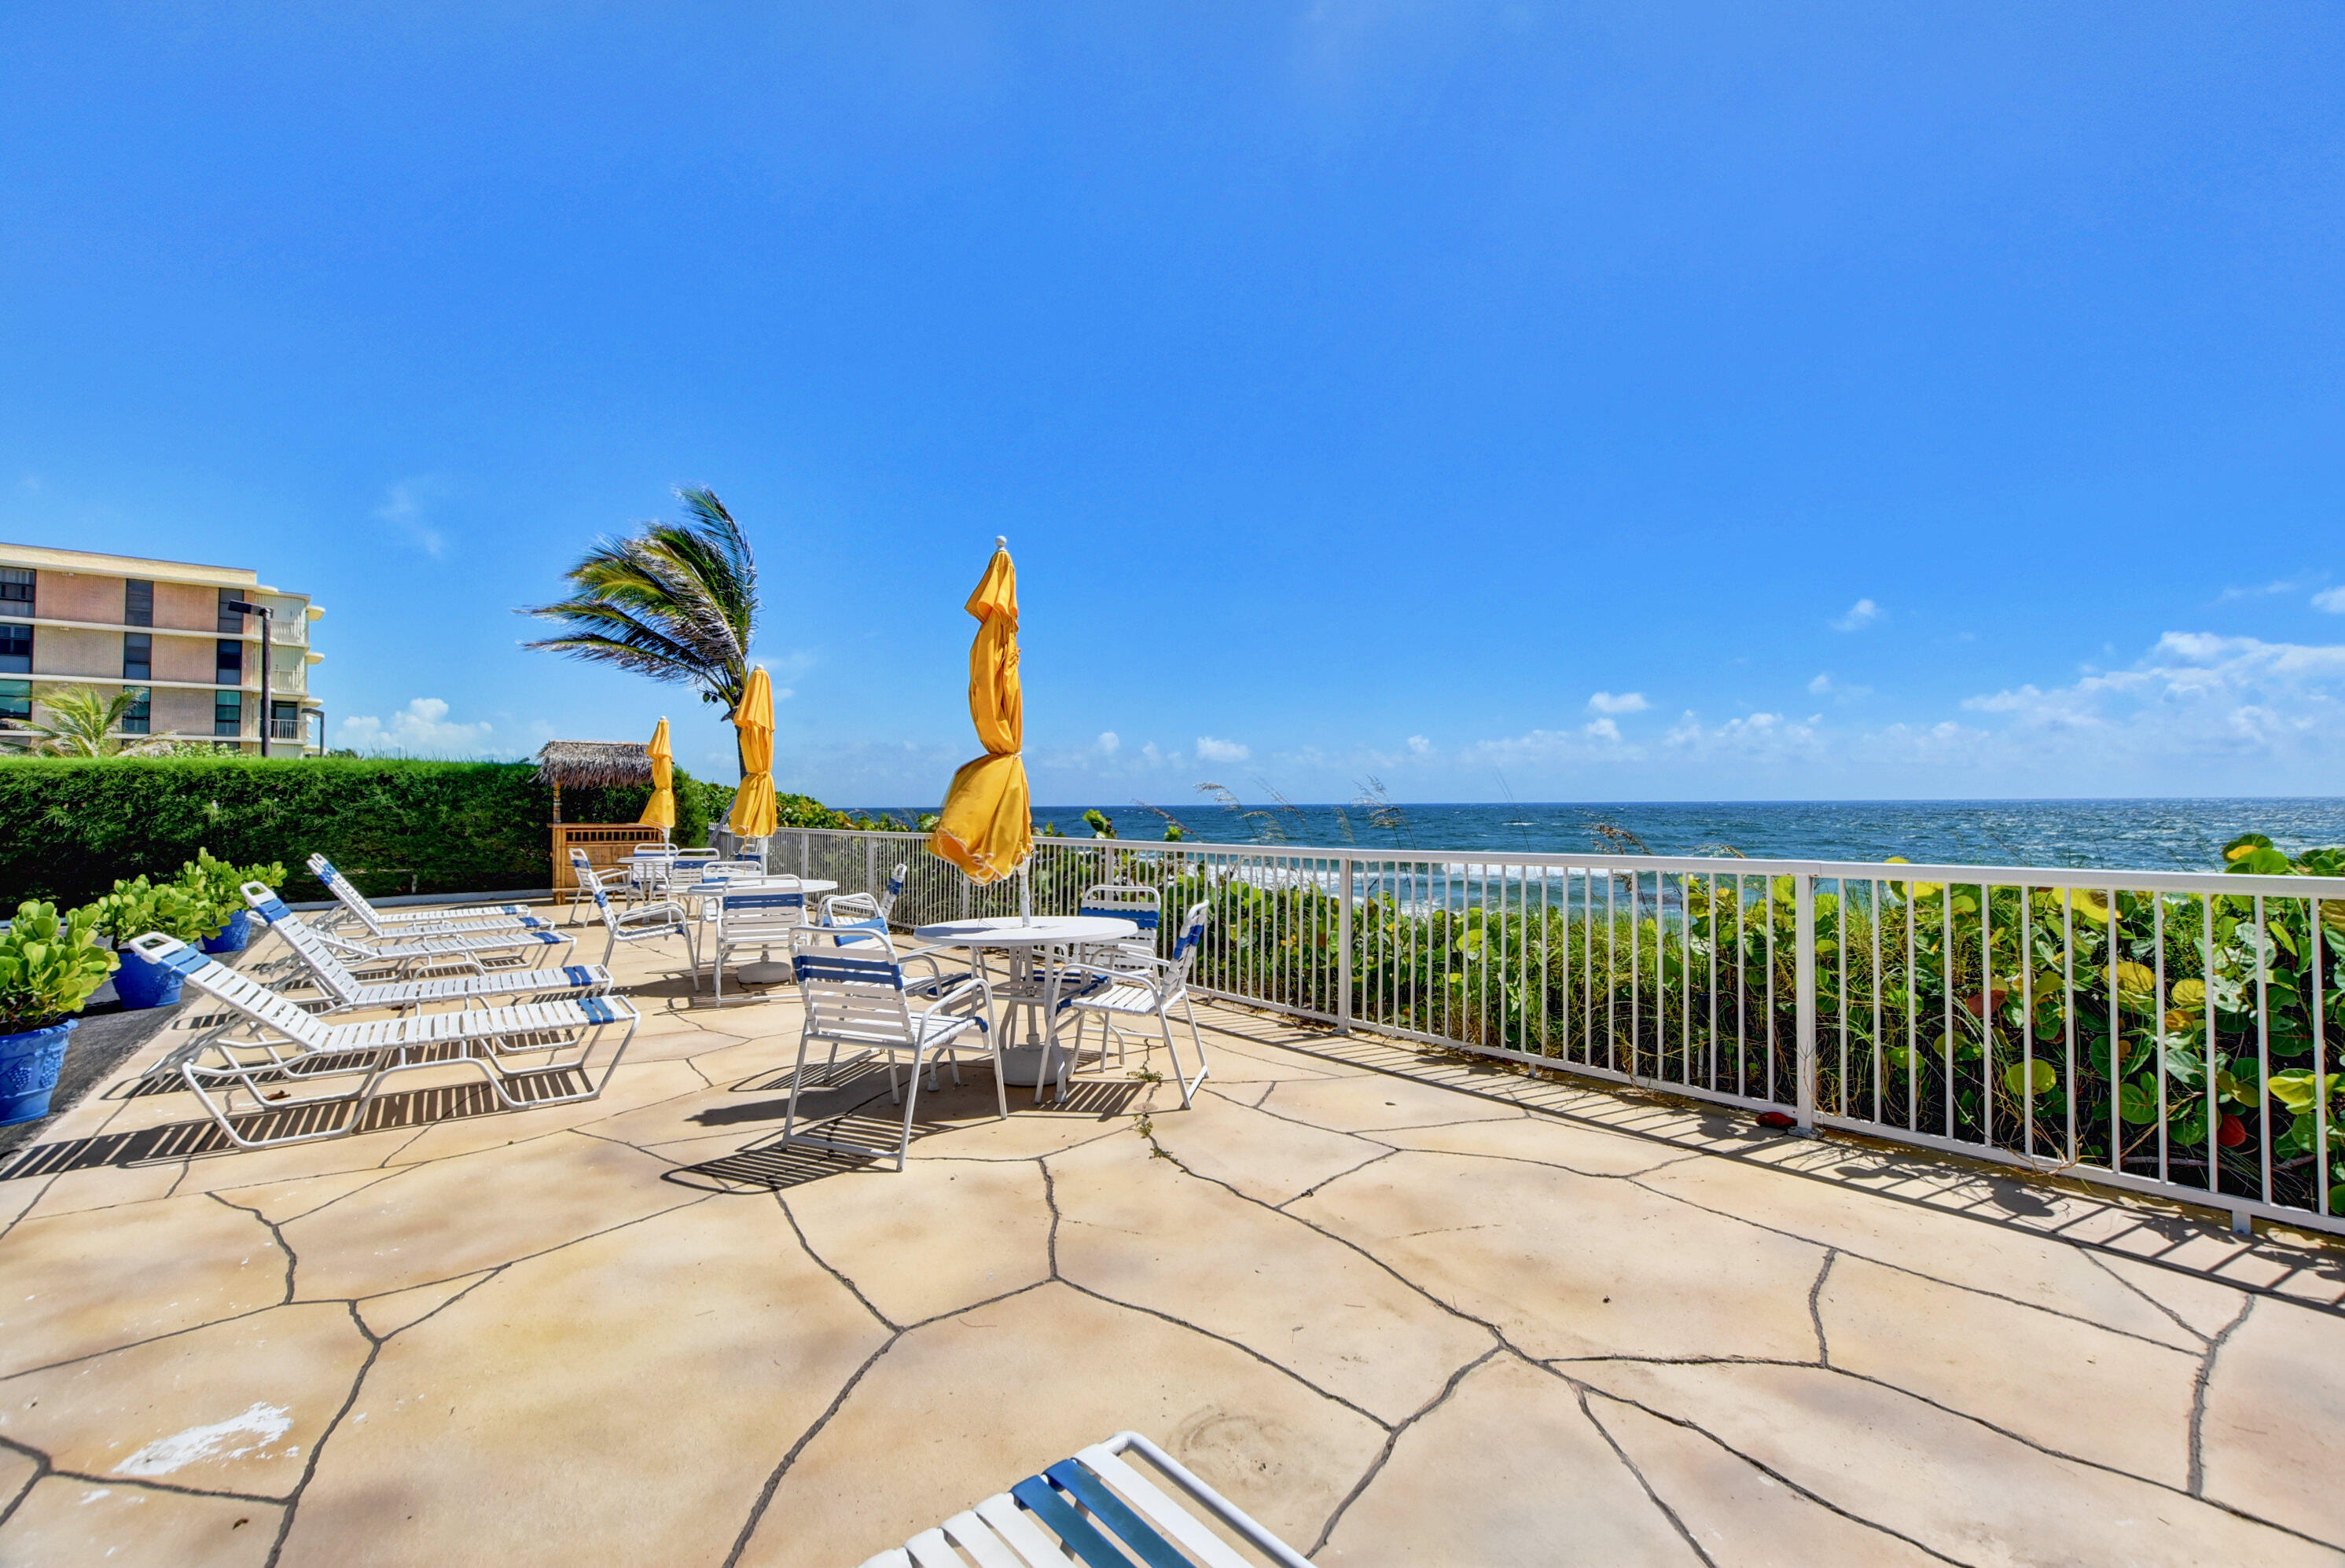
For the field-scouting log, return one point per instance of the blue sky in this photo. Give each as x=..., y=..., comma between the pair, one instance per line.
x=1568, y=402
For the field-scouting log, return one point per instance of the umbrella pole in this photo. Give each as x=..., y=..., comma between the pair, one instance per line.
x=1025, y=894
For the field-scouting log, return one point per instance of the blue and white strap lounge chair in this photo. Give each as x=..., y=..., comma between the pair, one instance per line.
x=341, y=991
x=856, y=997
x=511, y=948
x=536, y=1053
x=1099, y=1511
x=1128, y=989
x=404, y=922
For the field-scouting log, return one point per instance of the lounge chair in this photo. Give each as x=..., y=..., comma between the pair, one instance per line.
x=1077, y=1510
x=856, y=997
x=1121, y=991
x=341, y=991
x=403, y=922
x=292, y=1049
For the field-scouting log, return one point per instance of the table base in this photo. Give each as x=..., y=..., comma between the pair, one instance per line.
x=764, y=974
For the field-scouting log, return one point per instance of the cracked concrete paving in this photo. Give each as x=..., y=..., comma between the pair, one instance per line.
x=1404, y=1308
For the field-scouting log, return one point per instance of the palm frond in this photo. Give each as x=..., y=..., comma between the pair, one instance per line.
x=675, y=602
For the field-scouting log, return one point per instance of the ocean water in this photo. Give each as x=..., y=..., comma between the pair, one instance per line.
x=2127, y=835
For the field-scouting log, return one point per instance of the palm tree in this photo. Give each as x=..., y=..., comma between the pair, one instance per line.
x=82, y=724
x=676, y=602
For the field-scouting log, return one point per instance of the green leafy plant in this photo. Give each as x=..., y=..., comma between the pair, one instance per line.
x=219, y=884
x=137, y=907
x=48, y=965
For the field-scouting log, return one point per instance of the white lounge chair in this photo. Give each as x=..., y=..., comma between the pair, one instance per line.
x=1079, y=1509
x=413, y=952
x=556, y=1043
x=340, y=990
x=856, y=997
x=1124, y=991
x=405, y=922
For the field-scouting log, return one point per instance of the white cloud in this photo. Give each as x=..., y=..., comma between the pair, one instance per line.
x=1109, y=742
x=1861, y=613
x=2331, y=600
x=1601, y=729
x=1419, y=746
x=1821, y=684
x=420, y=728
x=1626, y=702
x=1209, y=750
x=403, y=508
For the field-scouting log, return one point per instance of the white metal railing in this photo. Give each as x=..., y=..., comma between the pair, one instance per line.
x=2167, y=1032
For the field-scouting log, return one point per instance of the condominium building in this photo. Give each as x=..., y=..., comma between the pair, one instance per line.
x=163, y=629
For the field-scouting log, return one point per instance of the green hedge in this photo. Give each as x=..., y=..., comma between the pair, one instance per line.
x=68, y=828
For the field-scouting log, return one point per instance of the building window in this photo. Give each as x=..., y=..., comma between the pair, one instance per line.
x=228, y=662
x=229, y=619
x=16, y=650
x=284, y=721
x=137, y=655
x=16, y=701
x=134, y=720
x=138, y=603
x=228, y=712
x=16, y=591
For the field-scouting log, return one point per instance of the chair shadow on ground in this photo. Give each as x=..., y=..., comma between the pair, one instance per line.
x=850, y=1103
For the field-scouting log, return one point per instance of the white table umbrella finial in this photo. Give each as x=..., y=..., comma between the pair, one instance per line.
x=1001, y=542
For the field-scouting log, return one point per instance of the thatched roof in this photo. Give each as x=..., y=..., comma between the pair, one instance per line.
x=591, y=764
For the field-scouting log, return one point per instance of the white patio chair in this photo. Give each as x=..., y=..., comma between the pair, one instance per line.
x=290, y=1048
x=1075, y=1512
x=858, y=997
x=340, y=990
x=417, y=922
x=1140, y=905
x=1123, y=993
x=648, y=923
x=768, y=917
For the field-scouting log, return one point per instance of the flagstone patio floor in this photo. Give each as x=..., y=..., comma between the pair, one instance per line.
x=1404, y=1309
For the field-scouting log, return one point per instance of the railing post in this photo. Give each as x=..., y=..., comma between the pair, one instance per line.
x=1804, y=961
x=1344, y=948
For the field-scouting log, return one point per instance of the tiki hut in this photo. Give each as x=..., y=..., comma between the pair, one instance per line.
x=593, y=765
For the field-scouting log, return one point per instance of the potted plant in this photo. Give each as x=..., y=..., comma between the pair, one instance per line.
x=136, y=908
x=221, y=885
x=48, y=968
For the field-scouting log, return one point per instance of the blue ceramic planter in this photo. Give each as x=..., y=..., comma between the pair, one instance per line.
x=233, y=937
x=29, y=1064
x=141, y=983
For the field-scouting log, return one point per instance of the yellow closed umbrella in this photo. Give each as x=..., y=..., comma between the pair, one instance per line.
x=987, y=827
x=660, y=810
x=752, y=806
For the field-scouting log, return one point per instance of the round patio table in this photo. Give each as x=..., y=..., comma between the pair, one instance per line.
x=1023, y=940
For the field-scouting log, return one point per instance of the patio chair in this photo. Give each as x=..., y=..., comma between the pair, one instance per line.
x=341, y=991
x=648, y=923
x=1144, y=907
x=1129, y=989
x=1075, y=1510
x=765, y=918
x=292, y=1048
x=858, y=997
x=405, y=922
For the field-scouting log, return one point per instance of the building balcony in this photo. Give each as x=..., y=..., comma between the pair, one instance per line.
x=1404, y=1306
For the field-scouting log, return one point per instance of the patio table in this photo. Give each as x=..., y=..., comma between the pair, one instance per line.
x=1023, y=941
